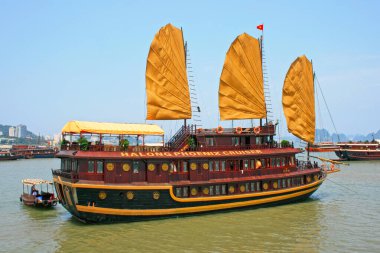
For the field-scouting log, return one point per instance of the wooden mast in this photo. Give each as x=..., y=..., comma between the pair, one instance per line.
x=185, y=49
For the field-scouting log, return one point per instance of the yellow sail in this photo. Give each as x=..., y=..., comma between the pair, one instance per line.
x=298, y=99
x=167, y=88
x=241, y=88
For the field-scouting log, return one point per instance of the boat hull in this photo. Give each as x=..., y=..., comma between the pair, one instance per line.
x=30, y=200
x=32, y=156
x=358, y=155
x=84, y=204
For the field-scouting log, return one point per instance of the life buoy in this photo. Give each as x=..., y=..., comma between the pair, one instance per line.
x=219, y=130
x=257, y=130
x=238, y=130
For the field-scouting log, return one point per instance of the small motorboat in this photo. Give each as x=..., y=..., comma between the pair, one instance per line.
x=38, y=193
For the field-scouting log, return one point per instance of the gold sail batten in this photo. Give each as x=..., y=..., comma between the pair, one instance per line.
x=298, y=99
x=167, y=88
x=241, y=88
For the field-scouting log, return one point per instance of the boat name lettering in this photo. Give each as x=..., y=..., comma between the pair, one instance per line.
x=187, y=154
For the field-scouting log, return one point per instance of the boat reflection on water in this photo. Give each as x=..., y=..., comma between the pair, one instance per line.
x=282, y=229
x=40, y=214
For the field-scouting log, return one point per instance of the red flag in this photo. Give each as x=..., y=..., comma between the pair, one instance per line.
x=260, y=27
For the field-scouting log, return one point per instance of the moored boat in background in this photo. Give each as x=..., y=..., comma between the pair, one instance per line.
x=7, y=156
x=358, y=151
x=33, y=151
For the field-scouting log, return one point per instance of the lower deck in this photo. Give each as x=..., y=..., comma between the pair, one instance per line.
x=105, y=202
x=94, y=200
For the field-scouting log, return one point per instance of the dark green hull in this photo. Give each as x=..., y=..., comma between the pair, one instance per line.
x=87, y=207
x=101, y=218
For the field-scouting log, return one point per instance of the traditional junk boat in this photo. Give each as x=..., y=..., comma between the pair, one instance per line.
x=198, y=170
x=359, y=151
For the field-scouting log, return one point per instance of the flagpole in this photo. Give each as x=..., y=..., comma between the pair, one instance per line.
x=261, y=27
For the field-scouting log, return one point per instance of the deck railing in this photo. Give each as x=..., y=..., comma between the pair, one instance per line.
x=114, y=148
x=69, y=175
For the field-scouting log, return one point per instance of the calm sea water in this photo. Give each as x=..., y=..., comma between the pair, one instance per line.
x=342, y=216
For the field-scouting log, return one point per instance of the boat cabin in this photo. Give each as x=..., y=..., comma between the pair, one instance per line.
x=192, y=155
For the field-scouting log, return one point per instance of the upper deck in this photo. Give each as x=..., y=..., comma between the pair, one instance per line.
x=188, y=138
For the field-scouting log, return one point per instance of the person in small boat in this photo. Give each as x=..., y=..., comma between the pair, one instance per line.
x=34, y=191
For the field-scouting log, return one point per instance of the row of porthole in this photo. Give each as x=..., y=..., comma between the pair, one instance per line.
x=231, y=188
x=205, y=190
x=152, y=167
x=165, y=166
x=130, y=195
x=111, y=167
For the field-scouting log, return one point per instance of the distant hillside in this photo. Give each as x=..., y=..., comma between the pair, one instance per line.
x=5, y=130
x=324, y=135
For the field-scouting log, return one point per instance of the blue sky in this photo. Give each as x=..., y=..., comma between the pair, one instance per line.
x=85, y=60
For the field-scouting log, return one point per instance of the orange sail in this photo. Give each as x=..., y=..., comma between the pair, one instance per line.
x=241, y=88
x=298, y=99
x=167, y=87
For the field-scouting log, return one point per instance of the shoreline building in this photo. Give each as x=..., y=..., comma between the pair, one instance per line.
x=12, y=132
x=21, y=131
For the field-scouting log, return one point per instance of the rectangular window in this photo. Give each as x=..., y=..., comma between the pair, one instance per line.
x=247, y=187
x=223, y=166
x=302, y=180
x=99, y=167
x=211, y=190
x=263, y=163
x=279, y=183
x=210, y=141
x=173, y=168
x=252, y=164
x=258, y=187
x=224, y=190
x=235, y=141
x=278, y=162
x=252, y=186
x=210, y=167
x=216, y=165
x=68, y=165
x=273, y=162
x=178, y=192
x=258, y=140
x=284, y=183
x=63, y=164
x=185, y=191
x=246, y=164
x=74, y=165
x=184, y=166
x=91, y=168
x=136, y=166
x=289, y=182
x=231, y=165
x=217, y=189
